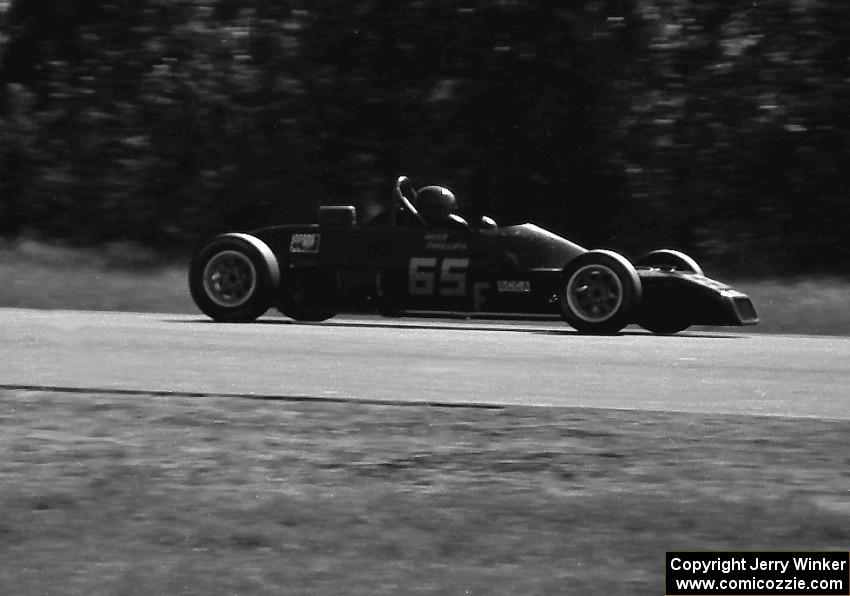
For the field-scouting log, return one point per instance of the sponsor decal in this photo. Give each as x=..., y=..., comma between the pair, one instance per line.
x=305, y=243
x=513, y=286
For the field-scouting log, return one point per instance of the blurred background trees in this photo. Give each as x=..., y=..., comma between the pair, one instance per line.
x=717, y=128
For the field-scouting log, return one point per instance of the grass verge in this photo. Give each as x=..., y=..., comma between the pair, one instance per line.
x=124, y=277
x=116, y=277
x=107, y=494
x=817, y=306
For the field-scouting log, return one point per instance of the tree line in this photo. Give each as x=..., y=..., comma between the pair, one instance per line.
x=718, y=128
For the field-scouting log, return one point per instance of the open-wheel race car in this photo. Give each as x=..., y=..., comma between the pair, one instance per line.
x=420, y=255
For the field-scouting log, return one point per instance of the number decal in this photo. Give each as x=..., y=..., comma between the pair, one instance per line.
x=426, y=278
x=453, y=277
x=479, y=294
x=421, y=276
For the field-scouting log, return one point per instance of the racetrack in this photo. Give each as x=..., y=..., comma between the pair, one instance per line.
x=442, y=361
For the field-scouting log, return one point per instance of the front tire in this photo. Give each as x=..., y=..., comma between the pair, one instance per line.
x=662, y=325
x=232, y=279
x=600, y=292
x=669, y=260
x=666, y=316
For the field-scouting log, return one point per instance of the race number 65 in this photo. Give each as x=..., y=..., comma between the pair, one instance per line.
x=428, y=276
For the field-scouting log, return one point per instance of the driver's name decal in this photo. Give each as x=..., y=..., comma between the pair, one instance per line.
x=435, y=245
x=304, y=243
x=442, y=241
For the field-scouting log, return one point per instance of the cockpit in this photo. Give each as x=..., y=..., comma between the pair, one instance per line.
x=431, y=207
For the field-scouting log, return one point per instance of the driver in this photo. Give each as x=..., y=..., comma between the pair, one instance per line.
x=437, y=205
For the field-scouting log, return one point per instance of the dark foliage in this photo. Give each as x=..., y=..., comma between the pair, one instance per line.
x=718, y=128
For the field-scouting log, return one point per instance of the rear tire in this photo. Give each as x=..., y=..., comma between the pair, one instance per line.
x=600, y=292
x=309, y=296
x=232, y=279
x=389, y=287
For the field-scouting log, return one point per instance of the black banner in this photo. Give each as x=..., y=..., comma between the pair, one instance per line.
x=757, y=573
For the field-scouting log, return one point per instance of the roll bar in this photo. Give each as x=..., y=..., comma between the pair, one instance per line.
x=403, y=188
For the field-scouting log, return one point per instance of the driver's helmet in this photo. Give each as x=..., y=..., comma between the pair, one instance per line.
x=435, y=203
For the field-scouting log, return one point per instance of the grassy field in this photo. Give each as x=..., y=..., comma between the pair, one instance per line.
x=121, y=277
x=108, y=494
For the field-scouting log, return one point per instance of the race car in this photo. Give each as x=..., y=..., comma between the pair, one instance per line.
x=419, y=255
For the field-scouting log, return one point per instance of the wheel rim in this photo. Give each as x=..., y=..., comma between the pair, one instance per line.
x=594, y=293
x=230, y=279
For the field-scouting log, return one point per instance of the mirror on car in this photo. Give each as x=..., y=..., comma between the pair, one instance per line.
x=487, y=223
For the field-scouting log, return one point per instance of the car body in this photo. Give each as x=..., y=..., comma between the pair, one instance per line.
x=399, y=263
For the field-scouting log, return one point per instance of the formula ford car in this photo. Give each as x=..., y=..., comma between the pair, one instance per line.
x=418, y=255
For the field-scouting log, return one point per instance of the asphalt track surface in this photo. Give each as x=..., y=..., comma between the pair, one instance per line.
x=447, y=362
